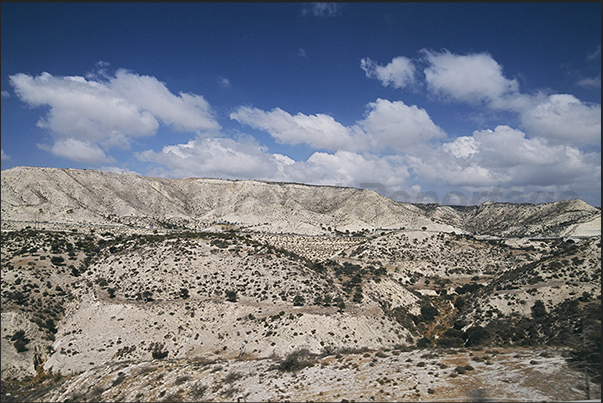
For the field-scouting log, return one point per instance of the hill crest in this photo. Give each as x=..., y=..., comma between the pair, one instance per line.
x=92, y=197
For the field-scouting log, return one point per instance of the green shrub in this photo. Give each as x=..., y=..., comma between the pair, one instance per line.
x=297, y=360
x=231, y=296
x=424, y=342
x=232, y=376
x=538, y=310
x=298, y=300
x=429, y=312
x=20, y=341
x=198, y=390
x=159, y=355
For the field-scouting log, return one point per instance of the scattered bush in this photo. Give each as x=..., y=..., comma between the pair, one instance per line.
x=460, y=370
x=298, y=300
x=297, y=360
x=231, y=296
x=120, y=378
x=538, y=310
x=181, y=379
x=424, y=342
x=20, y=341
x=232, y=376
x=429, y=312
x=198, y=390
x=159, y=355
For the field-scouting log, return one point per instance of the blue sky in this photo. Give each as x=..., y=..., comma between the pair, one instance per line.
x=456, y=103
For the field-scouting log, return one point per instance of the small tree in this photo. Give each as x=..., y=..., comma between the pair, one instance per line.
x=231, y=296
x=538, y=310
x=357, y=297
x=298, y=300
x=20, y=341
x=339, y=302
x=428, y=312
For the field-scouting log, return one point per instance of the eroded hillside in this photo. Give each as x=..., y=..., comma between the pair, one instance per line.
x=82, y=304
x=54, y=198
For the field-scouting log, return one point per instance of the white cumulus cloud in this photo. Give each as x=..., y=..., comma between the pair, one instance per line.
x=82, y=109
x=109, y=112
x=218, y=158
x=472, y=78
x=398, y=126
x=386, y=125
x=79, y=151
x=319, y=131
x=398, y=73
x=564, y=119
x=505, y=157
x=4, y=156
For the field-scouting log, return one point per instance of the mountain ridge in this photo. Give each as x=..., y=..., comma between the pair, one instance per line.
x=100, y=197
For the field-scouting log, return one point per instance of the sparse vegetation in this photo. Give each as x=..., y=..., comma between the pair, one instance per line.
x=297, y=360
x=236, y=296
x=20, y=341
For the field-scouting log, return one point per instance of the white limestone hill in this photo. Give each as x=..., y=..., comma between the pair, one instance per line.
x=104, y=198
x=562, y=218
x=90, y=197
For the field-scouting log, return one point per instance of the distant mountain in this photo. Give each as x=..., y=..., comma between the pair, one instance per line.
x=562, y=218
x=104, y=198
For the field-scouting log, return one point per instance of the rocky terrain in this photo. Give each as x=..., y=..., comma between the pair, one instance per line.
x=97, y=198
x=122, y=199
x=117, y=287
x=564, y=218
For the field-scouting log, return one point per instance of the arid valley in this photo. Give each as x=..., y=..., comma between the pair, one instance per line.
x=119, y=287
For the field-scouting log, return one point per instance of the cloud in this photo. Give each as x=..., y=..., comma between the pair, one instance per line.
x=224, y=82
x=218, y=158
x=595, y=55
x=82, y=109
x=346, y=168
x=107, y=112
x=387, y=125
x=245, y=159
x=473, y=78
x=319, y=131
x=5, y=94
x=594, y=82
x=478, y=80
x=186, y=112
x=505, y=157
x=4, y=156
x=79, y=151
x=398, y=126
x=461, y=147
x=322, y=10
x=564, y=119
x=399, y=73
